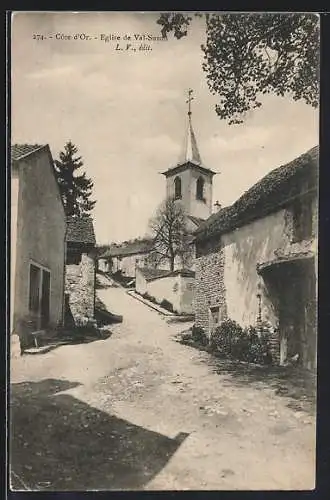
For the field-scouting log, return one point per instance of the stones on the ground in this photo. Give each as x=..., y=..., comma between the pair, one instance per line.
x=227, y=472
x=222, y=413
x=280, y=429
x=212, y=410
x=44, y=484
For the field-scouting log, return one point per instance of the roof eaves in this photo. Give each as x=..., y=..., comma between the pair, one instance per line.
x=28, y=153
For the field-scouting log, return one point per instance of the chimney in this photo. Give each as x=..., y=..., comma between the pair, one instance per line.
x=217, y=206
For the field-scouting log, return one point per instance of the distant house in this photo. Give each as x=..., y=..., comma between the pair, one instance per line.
x=126, y=256
x=176, y=287
x=256, y=260
x=104, y=263
x=80, y=269
x=37, y=243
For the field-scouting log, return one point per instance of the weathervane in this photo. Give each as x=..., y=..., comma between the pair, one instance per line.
x=188, y=101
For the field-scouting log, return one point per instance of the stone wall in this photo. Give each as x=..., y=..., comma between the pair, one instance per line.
x=80, y=287
x=140, y=282
x=246, y=248
x=209, y=288
x=177, y=289
x=227, y=275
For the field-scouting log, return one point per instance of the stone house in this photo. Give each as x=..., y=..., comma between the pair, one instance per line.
x=80, y=270
x=37, y=244
x=103, y=263
x=177, y=287
x=126, y=256
x=256, y=260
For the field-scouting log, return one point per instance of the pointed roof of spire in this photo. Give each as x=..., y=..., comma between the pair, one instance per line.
x=190, y=150
x=190, y=153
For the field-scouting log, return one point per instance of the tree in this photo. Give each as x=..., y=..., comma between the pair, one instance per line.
x=171, y=238
x=248, y=55
x=75, y=189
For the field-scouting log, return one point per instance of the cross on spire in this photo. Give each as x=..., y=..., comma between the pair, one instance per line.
x=188, y=101
x=190, y=152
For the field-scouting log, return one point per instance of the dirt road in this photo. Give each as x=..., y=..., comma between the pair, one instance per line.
x=141, y=411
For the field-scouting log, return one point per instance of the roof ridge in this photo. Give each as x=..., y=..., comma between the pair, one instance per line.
x=258, y=196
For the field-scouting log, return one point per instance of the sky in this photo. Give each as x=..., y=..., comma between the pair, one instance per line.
x=126, y=112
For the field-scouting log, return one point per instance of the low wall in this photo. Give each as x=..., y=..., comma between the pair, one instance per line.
x=140, y=283
x=178, y=290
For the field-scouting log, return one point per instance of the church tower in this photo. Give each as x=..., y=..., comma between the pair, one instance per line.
x=190, y=181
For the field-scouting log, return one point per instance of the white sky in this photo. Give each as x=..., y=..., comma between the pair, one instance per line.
x=126, y=112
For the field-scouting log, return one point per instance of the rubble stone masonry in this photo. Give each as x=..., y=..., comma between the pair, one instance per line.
x=210, y=288
x=80, y=286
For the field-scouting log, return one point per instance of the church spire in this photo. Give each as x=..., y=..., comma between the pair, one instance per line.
x=190, y=152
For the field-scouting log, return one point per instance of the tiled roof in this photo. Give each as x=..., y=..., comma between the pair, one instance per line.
x=80, y=230
x=271, y=192
x=184, y=272
x=153, y=274
x=129, y=248
x=20, y=151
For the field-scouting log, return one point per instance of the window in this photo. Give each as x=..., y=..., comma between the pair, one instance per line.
x=177, y=188
x=73, y=257
x=200, y=189
x=214, y=311
x=302, y=220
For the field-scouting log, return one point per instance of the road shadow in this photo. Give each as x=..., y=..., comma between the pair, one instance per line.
x=294, y=383
x=104, y=280
x=59, y=443
x=103, y=316
x=74, y=337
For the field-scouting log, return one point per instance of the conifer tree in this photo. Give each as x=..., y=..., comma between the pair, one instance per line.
x=76, y=189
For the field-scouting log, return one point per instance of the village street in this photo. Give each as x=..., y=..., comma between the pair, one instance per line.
x=141, y=411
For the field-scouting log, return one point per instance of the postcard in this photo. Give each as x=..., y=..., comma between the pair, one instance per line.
x=163, y=267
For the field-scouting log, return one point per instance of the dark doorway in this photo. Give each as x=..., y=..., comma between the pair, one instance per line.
x=34, y=292
x=45, y=298
x=293, y=286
